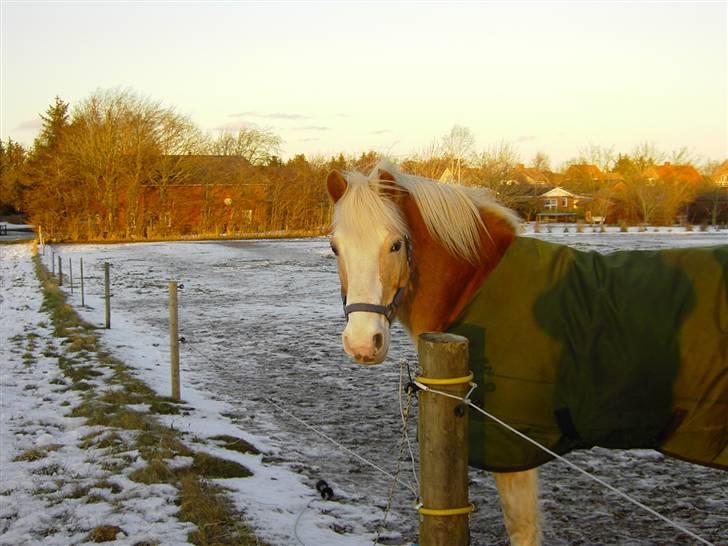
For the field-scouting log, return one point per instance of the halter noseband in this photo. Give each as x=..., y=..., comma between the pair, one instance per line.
x=387, y=310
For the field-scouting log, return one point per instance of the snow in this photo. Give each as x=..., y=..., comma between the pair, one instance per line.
x=36, y=496
x=262, y=321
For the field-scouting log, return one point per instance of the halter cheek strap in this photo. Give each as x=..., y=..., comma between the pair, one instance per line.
x=387, y=310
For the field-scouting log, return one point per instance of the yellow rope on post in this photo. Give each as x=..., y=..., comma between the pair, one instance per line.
x=449, y=381
x=446, y=512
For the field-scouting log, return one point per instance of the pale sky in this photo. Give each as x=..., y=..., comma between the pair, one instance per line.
x=332, y=77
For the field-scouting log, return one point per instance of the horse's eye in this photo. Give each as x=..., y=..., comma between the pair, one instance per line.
x=334, y=249
x=396, y=246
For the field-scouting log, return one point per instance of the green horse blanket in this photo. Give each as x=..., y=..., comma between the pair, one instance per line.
x=579, y=349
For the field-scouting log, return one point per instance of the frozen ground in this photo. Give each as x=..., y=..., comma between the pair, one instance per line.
x=262, y=321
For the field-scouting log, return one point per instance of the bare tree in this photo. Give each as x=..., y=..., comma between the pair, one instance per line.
x=541, y=161
x=601, y=156
x=646, y=154
x=682, y=156
x=458, y=146
x=258, y=146
x=429, y=162
x=495, y=169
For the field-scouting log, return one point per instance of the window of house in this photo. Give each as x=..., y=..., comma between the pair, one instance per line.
x=564, y=202
x=551, y=203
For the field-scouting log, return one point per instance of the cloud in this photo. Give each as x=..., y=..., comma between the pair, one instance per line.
x=273, y=115
x=312, y=128
x=526, y=138
x=311, y=139
x=235, y=126
x=31, y=124
x=380, y=132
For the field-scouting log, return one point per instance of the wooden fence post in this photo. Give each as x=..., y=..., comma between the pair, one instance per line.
x=107, y=296
x=174, y=340
x=60, y=271
x=70, y=273
x=443, y=438
x=53, y=263
x=83, y=302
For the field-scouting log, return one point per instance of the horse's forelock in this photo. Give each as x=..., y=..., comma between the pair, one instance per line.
x=364, y=206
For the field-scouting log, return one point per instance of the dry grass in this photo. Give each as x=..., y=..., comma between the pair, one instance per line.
x=217, y=521
x=213, y=467
x=104, y=533
x=36, y=453
x=235, y=444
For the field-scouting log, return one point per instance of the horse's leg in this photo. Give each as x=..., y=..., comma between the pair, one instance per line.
x=519, y=501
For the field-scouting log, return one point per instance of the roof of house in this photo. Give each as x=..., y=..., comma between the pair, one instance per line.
x=532, y=175
x=558, y=191
x=682, y=173
x=582, y=170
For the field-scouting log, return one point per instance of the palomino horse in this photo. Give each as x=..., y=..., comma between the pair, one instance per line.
x=558, y=344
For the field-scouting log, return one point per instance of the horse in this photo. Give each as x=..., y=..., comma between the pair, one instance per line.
x=547, y=327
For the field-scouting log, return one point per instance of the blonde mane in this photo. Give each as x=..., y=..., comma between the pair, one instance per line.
x=450, y=212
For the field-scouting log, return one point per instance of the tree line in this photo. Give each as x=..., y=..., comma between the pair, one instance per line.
x=118, y=166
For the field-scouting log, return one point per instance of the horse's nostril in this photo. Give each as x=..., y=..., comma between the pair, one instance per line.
x=378, y=341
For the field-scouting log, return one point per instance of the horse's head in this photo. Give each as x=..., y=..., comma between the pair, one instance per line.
x=370, y=241
x=378, y=220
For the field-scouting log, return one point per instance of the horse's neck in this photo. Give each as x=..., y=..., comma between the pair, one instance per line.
x=441, y=284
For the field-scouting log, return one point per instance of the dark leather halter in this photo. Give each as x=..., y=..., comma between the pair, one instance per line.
x=387, y=310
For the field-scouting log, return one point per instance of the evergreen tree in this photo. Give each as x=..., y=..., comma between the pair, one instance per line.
x=55, y=124
x=47, y=171
x=12, y=160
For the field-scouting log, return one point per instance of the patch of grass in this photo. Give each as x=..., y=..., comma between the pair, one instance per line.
x=89, y=440
x=81, y=386
x=156, y=471
x=159, y=443
x=115, y=466
x=213, y=467
x=48, y=470
x=100, y=414
x=163, y=407
x=104, y=533
x=212, y=512
x=82, y=341
x=36, y=453
x=78, y=492
x=110, y=440
x=75, y=370
x=235, y=444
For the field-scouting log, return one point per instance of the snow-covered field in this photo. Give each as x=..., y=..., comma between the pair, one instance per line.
x=262, y=320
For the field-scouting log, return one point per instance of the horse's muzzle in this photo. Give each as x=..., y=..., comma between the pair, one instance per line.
x=366, y=339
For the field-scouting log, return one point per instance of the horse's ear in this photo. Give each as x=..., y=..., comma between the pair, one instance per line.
x=386, y=175
x=336, y=184
x=393, y=191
